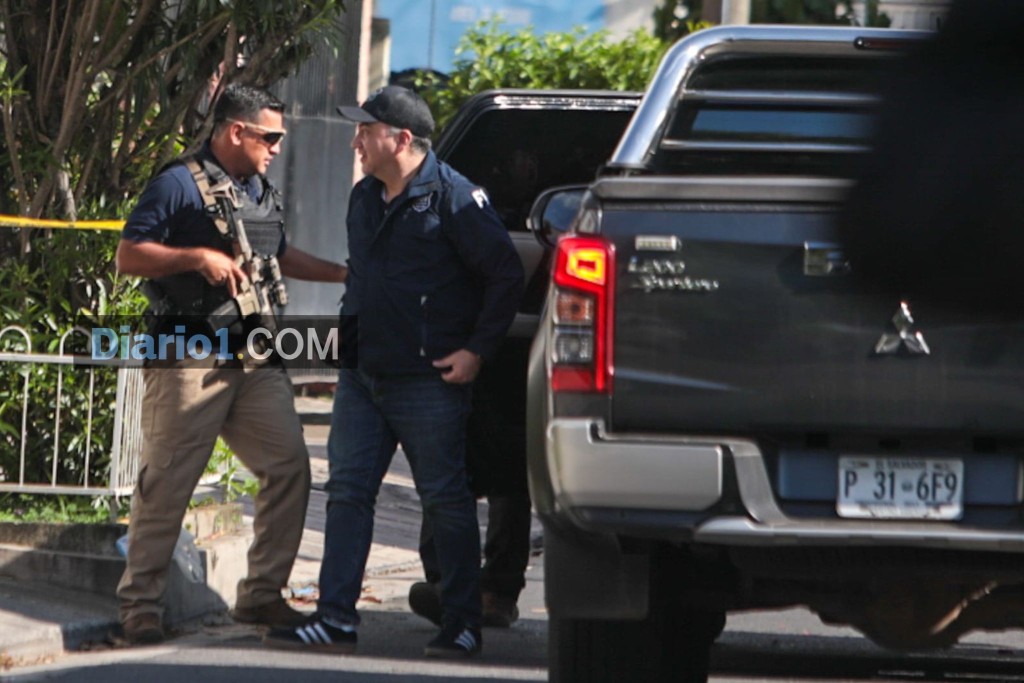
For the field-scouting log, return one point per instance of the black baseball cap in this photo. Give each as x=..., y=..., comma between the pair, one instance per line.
x=395, y=106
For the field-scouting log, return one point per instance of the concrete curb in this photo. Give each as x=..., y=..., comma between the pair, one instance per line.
x=41, y=620
x=77, y=606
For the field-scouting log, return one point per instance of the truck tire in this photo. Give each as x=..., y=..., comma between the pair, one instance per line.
x=669, y=646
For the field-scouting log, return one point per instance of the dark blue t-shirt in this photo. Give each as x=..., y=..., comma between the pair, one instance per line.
x=171, y=211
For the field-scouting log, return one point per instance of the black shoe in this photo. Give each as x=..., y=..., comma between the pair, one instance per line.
x=455, y=641
x=425, y=600
x=500, y=611
x=316, y=635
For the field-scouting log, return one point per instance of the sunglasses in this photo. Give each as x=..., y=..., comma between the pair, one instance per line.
x=271, y=137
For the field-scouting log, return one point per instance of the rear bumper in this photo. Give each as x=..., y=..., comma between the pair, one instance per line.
x=652, y=486
x=589, y=469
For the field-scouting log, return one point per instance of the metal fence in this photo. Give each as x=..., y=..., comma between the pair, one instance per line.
x=123, y=433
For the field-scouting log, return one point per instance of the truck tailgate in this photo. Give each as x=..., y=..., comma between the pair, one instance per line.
x=728, y=327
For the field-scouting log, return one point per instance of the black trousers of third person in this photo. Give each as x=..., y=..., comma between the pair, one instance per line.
x=506, y=548
x=496, y=461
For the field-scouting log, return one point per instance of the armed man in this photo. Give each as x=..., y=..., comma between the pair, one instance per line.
x=208, y=235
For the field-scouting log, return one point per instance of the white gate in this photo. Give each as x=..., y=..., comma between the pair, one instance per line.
x=126, y=437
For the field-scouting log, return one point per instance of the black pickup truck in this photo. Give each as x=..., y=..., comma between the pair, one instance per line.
x=720, y=418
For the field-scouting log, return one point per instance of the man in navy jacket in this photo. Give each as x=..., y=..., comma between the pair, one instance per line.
x=433, y=285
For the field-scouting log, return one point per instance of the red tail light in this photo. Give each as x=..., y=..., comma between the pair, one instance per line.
x=582, y=335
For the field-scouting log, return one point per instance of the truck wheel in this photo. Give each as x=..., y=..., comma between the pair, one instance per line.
x=662, y=648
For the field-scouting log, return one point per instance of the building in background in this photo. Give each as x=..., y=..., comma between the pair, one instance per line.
x=920, y=14
x=622, y=17
x=425, y=32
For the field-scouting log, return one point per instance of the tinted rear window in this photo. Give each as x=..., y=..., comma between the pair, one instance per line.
x=790, y=74
x=515, y=154
x=759, y=136
x=771, y=124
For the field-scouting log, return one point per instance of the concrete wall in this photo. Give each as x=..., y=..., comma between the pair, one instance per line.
x=316, y=170
x=916, y=14
x=624, y=16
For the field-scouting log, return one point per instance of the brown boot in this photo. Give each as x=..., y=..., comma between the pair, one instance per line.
x=276, y=614
x=500, y=611
x=143, y=629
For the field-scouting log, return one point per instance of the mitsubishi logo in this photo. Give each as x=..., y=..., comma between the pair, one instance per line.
x=905, y=336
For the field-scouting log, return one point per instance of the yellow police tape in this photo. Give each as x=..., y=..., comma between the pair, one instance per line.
x=22, y=222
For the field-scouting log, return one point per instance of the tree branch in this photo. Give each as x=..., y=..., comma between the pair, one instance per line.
x=73, y=105
x=21, y=185
x=200, y=37
x=230, y=60
x=47, y=80
x=116, y=53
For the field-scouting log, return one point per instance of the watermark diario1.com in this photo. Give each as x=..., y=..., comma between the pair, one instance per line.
x=315, y=341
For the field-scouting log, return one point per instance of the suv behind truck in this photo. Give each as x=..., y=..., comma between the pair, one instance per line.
x=720, y=418
x=518, y=143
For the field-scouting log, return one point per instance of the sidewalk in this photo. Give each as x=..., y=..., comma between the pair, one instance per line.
x=39, y=621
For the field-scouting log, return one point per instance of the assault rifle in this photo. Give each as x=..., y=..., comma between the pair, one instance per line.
x=263, y=286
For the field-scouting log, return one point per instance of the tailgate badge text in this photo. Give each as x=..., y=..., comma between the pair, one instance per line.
x=666, y=275
x=905, y=336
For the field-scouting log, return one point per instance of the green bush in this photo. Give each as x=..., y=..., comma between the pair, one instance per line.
x=27, y=508
x=235, y=481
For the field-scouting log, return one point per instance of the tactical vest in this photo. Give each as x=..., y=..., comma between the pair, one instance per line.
x=190, y=293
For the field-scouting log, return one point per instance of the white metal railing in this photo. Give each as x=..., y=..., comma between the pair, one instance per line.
x=126, y=437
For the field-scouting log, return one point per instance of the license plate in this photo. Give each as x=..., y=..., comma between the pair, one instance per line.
x=900, y=487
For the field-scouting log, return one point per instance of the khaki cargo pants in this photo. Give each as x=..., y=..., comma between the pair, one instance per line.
x=184, y=410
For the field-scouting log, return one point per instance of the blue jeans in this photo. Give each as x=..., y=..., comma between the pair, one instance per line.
x=506, y=550
x=371, y=416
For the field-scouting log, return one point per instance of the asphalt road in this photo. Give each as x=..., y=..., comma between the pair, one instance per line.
x=790, y=645
x=775, y=646
x=390, y=650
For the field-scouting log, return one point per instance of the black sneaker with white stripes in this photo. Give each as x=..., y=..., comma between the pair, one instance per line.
x=455, y=641
x=319, y=634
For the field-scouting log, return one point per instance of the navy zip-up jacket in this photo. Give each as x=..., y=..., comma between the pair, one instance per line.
x=432, y=272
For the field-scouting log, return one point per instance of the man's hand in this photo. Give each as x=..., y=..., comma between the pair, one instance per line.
x=460, y=367
x=154, y=260
x=219, y=269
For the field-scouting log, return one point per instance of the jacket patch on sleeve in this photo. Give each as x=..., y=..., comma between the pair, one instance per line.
x=480, y=196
